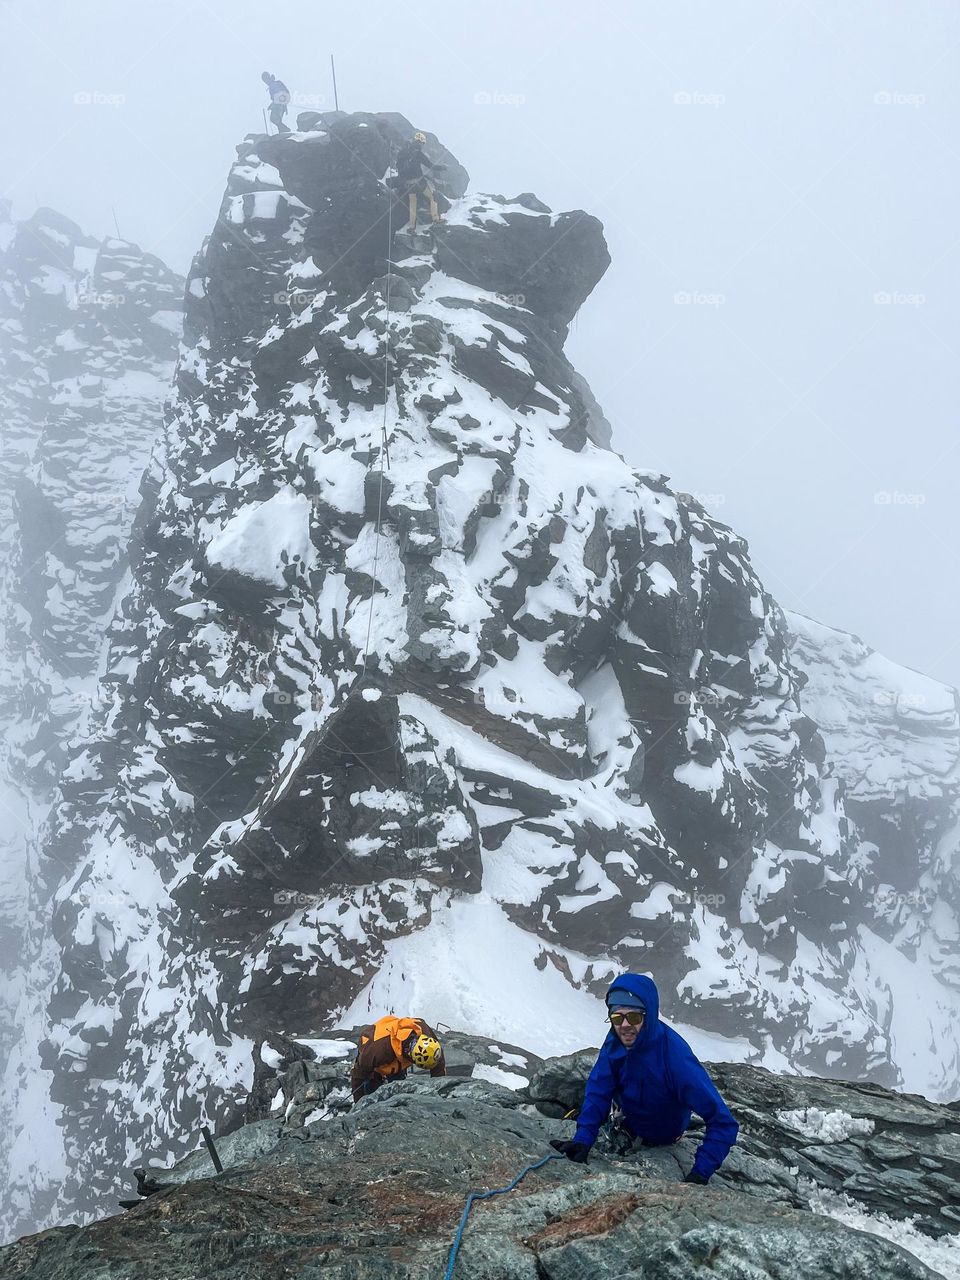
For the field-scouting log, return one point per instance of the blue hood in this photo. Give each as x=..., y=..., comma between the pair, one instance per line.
x=658, y=1083
x=645, y=989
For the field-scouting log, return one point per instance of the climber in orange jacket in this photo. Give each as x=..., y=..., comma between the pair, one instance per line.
x=389, y=1047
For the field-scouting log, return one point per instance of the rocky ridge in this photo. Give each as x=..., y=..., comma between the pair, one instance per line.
x=314, y=1186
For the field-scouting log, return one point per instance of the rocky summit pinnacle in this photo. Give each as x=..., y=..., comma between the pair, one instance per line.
x=416, y=692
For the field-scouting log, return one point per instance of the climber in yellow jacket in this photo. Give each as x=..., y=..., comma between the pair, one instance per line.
x=389, y=1047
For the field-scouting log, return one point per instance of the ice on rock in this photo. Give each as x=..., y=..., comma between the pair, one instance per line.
x=825, y=1126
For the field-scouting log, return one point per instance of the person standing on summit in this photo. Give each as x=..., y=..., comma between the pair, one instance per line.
x=653, y=1075
x=279, y=97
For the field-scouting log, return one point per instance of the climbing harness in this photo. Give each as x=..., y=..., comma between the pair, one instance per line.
x=618, y=1136
x=485, y=1195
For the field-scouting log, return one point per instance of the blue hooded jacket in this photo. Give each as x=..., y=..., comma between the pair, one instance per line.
x=658, y=1083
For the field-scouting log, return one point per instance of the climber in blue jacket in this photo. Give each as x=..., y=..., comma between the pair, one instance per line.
x=656, y=1079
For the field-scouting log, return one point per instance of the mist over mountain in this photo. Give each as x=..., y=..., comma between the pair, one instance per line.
x=351, y=669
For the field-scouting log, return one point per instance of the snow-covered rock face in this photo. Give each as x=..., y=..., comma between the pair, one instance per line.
x=892, y=739
x=893, y=736
x=89, y=334
x=88, y=337
x=406, y=644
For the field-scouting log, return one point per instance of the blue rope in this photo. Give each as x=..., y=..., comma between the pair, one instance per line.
x=485, y=1195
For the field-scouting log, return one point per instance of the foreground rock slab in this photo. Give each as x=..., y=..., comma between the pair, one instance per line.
x=378, y=1193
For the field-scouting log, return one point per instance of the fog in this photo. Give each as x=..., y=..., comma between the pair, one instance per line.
x=778, y=182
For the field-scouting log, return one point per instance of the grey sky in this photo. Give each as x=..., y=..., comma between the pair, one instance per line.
x=779, y=164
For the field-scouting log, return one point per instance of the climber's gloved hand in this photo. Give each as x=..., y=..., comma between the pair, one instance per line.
x=698, y=1178
x=575, y=1151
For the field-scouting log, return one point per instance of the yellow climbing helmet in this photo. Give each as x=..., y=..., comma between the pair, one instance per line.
x=426, y=1052
x=420, y=137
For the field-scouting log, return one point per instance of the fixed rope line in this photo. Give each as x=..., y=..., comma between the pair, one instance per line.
x=384, y=451
x=386, y=346
x=486, y=1195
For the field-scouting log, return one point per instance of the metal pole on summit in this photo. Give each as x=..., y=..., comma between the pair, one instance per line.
x=333, y=72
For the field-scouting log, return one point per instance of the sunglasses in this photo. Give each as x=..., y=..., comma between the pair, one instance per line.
x=635, y=1018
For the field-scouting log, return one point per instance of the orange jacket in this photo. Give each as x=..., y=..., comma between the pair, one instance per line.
x=380, y=1053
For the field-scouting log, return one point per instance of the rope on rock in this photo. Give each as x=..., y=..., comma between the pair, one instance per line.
x=485, y=1195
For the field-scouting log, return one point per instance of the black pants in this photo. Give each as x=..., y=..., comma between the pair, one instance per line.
x=644, y=1142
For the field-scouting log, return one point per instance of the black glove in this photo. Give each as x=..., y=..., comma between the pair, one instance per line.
x=698, y=1178
x=575, y=1151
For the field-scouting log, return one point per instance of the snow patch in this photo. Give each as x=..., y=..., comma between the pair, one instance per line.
x=496, y=1075
x=825, y=1126
x=263, y=536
